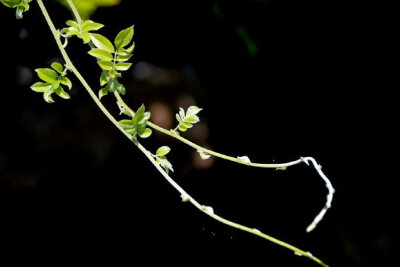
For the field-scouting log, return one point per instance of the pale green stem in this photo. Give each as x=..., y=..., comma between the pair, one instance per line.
x=75, y=11
x=185, y=196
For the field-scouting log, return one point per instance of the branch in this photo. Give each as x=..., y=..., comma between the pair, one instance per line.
x=185, y=196
x=278, y=166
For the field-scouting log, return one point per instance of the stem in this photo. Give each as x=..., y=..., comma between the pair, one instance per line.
x=75, y=11
x=281, y=166
x=185, y=196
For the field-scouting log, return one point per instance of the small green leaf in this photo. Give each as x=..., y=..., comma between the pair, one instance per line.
x=10, y=3
x=47, y=75
x=89, y=25
x=145, y=133
x=131, y=48
x=124, y=37
x=47, y=96
x=55, y=83
x=61, y=93
x=103, y=92
x=71, y=31
x=126, y=124
x=122, y=58
x=123, y=66
x=101, y=54
x=121, y=89
x=41, y=87
x=58, y=67
x=178, y=118
x=105, y=65
x=102, y=42
x=66, y=81
x=85, y=36
x=192, y=119
x=193, y=110
x=187, y=125
x=164, y=163
x=73, y=24
x=182, y=128
x=162, y=151
x=19, y=11
x=103, y=78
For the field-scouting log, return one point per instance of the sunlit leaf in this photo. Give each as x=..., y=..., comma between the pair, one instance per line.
x=47, y=75
x=41, y=87
x=102, y=42
x=162, y=151
x=124, y=37
x=89, y=25
x=58, y=67
x=101, y=54
x=105, y=65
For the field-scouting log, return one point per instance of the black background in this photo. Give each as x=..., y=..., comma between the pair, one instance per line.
x=73, y=187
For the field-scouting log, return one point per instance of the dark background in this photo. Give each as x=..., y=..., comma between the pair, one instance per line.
x=307, y=78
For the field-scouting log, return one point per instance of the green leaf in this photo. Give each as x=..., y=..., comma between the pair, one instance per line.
x=55, y=83
x=124, y=37
x=178, y=118
x=121, y=89
x=66, y=81
x=105, y=65
x=19, y=11
x=58, y=67
x=182, y=128
x=61, y=93
x=192, y=119
x=126, y=124
x=101, y=54
x=103, y=92
x=162, y=151
x=47, y=96
x=41, y=87
x=193, y=110
x=165, y=163
x=10, y=3
x=145, y=133
x=103, y=78
x=47, y=75
x=89, y=25
x=85, y=36
x=73, y=24
x=102, y=42
x=71, y=31
x=187, y=125
x=123, y=66
x=131, y=48
x=122, y=58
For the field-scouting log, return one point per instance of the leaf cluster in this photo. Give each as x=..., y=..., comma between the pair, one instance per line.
x=137, y=125
x=112, y=59
x=52, y=82
x=81, y=30
x=161, y=158
x=186, y=120
x=21, y=6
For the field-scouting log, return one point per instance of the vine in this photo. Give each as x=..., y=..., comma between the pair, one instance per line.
x=112, y=58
